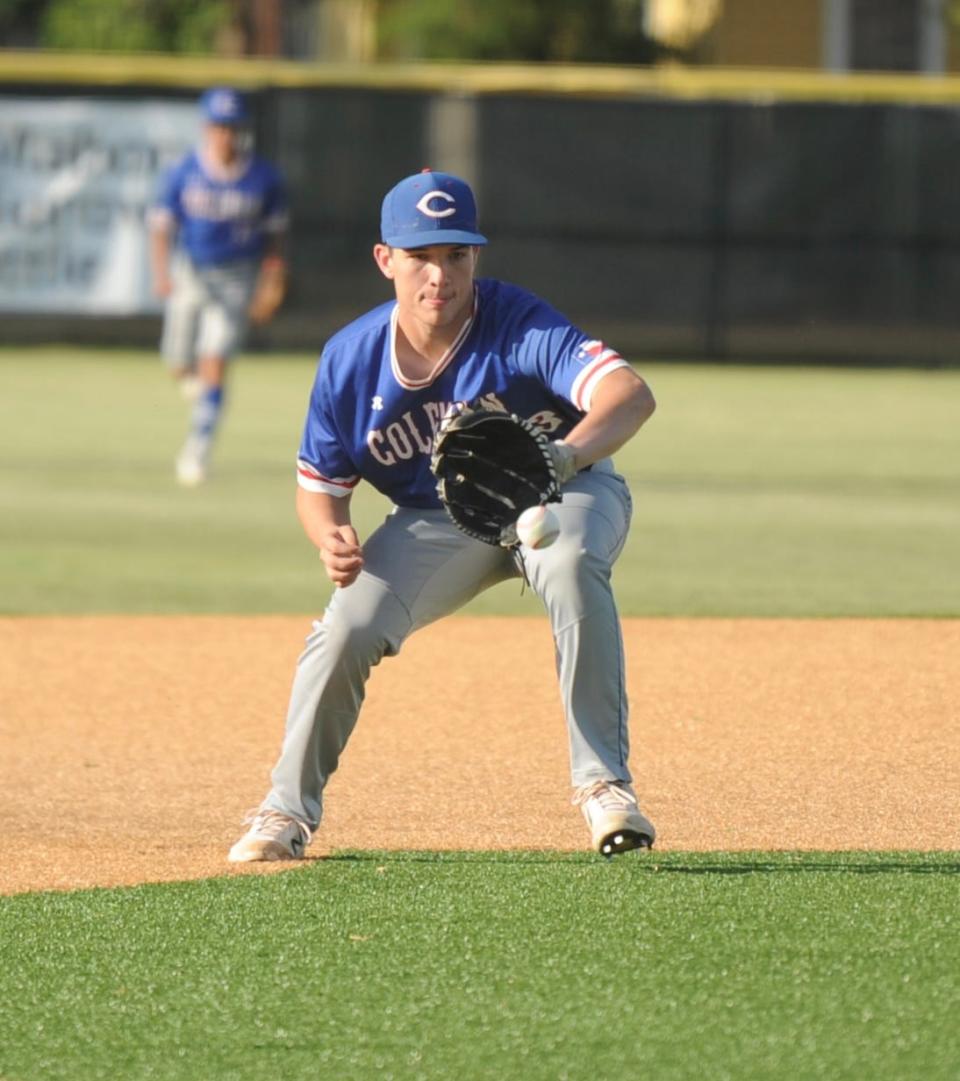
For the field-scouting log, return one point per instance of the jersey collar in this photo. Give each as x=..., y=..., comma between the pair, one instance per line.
x=223, y=173
x=444, y=362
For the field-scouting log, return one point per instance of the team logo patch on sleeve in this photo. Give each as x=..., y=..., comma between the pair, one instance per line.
x=598, y=360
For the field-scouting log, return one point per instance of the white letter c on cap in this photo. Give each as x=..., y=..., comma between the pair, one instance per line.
x=424, y=205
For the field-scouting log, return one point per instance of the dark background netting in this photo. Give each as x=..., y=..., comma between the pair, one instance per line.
x=703, y=229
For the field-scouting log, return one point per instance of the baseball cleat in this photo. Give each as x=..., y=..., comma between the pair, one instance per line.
x=273, y=835
x=616, y=822
x=190, y=473
x=191, y=465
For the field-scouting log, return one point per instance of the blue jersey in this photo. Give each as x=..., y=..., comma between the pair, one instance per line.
x=222, y=214
x=367, y=421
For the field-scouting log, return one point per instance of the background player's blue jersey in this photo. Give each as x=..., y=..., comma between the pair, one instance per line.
x=367, y=421
x=222, y=215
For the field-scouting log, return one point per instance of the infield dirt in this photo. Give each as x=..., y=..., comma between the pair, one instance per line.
x=131, y=747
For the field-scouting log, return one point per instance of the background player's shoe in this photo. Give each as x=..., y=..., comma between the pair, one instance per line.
x=272, y=836
x=191, y=464
x=615, y=821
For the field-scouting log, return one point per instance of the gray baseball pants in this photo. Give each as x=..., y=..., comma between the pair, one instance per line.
x=417, y=568
x=206, y=315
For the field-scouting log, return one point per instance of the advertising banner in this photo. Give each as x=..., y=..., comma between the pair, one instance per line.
x=77, y=176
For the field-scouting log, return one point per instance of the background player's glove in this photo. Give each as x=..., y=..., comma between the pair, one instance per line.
x=269, y=292
x=490, y=466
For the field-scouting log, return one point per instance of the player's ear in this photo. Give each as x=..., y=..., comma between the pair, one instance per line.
x=383, y=257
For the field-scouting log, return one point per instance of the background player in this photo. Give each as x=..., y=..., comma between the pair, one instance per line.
x=382, y=386
x=220, y=217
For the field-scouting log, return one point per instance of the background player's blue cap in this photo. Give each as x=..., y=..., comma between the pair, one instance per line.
x=429, y=208
x=222, y=105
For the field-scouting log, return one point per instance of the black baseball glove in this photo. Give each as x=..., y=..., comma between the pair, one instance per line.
x=490, y=466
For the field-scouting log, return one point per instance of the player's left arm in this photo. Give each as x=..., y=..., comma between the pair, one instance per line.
x=621, y=403
x=613, y=400
x=276, y=220
x=272, y=283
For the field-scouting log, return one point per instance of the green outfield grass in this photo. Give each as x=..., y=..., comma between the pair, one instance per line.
x=840, y=967
x=758, y=491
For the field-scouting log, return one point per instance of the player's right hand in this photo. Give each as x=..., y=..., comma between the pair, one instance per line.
x=341, y=555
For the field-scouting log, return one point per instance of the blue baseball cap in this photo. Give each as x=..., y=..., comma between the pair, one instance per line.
x=429, y=208
x=223, y=105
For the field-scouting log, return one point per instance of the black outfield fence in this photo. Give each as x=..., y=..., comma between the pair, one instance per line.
x=713, y=228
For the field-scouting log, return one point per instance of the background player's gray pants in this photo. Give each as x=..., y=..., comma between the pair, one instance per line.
x=206, y=314
x=419, y=567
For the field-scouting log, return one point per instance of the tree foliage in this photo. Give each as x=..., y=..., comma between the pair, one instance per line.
x=599, y=31
x=176, y=26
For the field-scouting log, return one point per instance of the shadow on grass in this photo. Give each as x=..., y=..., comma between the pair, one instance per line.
x=919, y=863
x=844, y=867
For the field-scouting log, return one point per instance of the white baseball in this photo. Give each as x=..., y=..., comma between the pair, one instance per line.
x=538, y=527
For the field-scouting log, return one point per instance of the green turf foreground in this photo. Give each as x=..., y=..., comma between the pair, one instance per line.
x=500, y=966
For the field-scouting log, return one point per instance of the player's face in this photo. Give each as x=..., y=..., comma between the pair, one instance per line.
x=223, y=141
x=434, y=285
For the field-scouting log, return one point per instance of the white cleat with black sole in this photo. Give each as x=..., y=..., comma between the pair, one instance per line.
x=272, y=836
x=615, y=820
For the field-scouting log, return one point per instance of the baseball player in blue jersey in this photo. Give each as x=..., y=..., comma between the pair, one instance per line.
x=382, y=387
x=220, y=220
